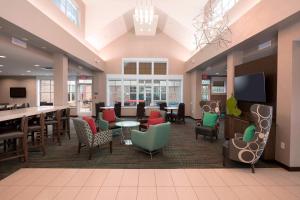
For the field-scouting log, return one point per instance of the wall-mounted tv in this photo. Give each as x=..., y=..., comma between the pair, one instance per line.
x=18, y=92
x=251, y=88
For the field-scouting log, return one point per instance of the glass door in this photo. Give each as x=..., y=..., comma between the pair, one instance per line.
x=85, y=96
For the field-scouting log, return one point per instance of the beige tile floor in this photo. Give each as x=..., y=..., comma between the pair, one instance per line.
x=151, y=184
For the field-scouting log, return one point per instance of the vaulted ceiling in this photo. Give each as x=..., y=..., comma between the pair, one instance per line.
x=106, y=20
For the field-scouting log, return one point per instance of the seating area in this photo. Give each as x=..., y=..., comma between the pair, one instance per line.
x=149, y=99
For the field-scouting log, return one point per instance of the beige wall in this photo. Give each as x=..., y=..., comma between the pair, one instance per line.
x=28, y=82
x=131, y=46
x=287, y=131
x=22, y=13
x=159, y=46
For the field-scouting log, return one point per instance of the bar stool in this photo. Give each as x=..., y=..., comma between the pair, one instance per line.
x=38, y=129
x=21, y=138
x=55, y=122
x=66, y=121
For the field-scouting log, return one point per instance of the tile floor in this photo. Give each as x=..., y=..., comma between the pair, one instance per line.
x=152, y=184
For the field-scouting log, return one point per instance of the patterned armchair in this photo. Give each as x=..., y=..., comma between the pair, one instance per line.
x=211, y=132
x=250, y=152
x=87, y=138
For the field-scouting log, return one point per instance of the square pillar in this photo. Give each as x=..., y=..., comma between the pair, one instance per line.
x=233, y=59
x=99, y=89
x=60, y=77
x=195, y=87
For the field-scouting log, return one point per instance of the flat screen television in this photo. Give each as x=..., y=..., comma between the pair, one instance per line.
x=18, y=92
x=251, y=88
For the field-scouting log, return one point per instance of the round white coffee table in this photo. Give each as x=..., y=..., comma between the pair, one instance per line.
x=128, y=125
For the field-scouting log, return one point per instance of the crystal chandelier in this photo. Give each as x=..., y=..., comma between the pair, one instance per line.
x=211, y=27
x=144, y=12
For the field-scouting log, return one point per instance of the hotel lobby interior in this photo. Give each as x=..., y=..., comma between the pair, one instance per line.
x=149, y=99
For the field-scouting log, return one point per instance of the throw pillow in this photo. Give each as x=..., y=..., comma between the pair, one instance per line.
x=210, y=119
x=249, y=133
x=156, y=121
x=91, y=123
x=109, y=115
x=154, y=114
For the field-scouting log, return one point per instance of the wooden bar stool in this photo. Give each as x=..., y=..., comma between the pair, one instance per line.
x=55, y=122
x=66, y=121
x=38, y=129
x=21, y=140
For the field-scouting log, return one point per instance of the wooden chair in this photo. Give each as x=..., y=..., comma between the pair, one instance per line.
x=21, y=140
x=36, y=132
x=66, y=121
x=56, y=123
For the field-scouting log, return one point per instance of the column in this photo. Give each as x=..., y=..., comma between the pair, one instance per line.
x=60, y=77
x=233, y=59
x=99, y=89
x=288, y=96
x=196, y=79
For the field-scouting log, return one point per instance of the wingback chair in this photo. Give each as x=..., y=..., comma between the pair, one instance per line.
x=87, y=138
x=153, y=140
x=211, y=132
x=250, y=152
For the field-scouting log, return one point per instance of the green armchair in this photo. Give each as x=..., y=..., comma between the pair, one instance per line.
x=105, y=125
x=153, y=140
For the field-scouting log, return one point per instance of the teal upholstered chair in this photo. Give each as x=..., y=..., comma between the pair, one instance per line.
x=105, y=125
x=153, y=140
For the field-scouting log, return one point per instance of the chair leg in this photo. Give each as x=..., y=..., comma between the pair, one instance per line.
x=90, y=153
x=196, y=136
x=68, y=129
x=252, y=168
x=25, y=148
x=79, y=147
x=110, y=146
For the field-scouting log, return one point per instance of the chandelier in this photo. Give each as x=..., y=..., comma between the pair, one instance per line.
x=144, y=12
x=211, y=27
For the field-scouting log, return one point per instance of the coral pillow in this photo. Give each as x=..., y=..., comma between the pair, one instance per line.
x=91, y=123
x=154, y=114
x=109, y=115
x=156, y=121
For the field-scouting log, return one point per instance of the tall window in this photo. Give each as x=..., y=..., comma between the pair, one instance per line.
x=72, y=93
x=115, y=90
x=160, y=91
x=145, y=91
x=205, y=91
x=174, y=92
x=70, y=9
x=47, y=91
x=144, y=80
x=130, y=92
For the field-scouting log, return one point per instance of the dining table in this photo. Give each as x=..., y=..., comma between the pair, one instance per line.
x=31, y=111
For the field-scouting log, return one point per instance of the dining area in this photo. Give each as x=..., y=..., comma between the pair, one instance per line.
x=26, y=129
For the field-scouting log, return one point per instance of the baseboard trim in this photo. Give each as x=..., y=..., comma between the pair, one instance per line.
x=288, y=168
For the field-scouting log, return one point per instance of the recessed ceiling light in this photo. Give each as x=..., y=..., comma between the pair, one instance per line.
x=0, y=71
x=25, y=39
x=217, y=73
x=36, y=65
x=22, y=74
x=2, y=56
x=43, y=47
x=28, y=71
x=1, y=65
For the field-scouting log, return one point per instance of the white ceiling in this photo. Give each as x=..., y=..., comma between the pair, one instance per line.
x=106, y=20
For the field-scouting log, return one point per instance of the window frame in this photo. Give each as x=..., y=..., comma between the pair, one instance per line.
x=64, y=5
